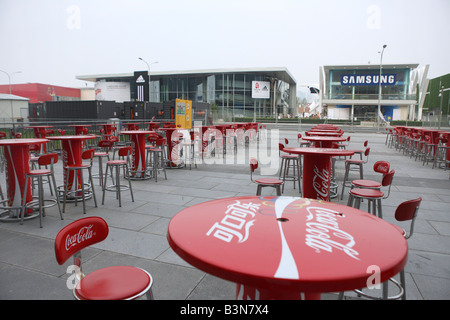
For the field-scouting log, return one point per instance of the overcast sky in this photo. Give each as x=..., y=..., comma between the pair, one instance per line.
x=53, y=41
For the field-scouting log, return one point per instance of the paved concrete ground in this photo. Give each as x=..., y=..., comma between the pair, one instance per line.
x=28, y=269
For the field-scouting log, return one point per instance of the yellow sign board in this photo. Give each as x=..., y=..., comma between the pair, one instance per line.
x=183, y=114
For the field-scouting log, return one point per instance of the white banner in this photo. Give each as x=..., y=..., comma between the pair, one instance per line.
x=260, y=89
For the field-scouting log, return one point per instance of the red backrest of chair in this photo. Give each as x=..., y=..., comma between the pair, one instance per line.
x=2, y=134
x=85, y=130
x=125, y=151
x=105, y=143
x=366, y=143
x=62, y=132
x=299, y=135
x=381, y=167
x=286, y=141
x=34, y=147
x=387, y=178
x=47, y=159
x=366, y=152
x=88, y=154
x=78, y=235
x=281, y=146
x=253, y=164
x=160, y=141
x=114, y=138
x=406, y=210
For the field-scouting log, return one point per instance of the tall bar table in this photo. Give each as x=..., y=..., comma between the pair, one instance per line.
x=137, y=138
x=17, y=155
x=316, y=178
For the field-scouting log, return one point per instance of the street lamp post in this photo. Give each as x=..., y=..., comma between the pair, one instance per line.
x=148, y=67
x=10, y=93
x=379, y=90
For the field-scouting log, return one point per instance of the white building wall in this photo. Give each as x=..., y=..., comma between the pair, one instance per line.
x=112, y=91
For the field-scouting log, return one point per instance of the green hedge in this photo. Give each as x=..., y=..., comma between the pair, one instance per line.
x=406, y=123
x=295, y=120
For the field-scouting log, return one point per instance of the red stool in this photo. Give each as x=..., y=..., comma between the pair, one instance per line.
x=406, y=211
x=86, y=155
x=110, y=283
x=44, y=160
x=124, y=152
x=290, y=161
x=350, y=164
x=104, y=146
x=264, y=182
x=373, y=196
x=379, y=167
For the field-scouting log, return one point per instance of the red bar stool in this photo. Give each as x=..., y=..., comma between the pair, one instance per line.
x=379, y=167
x=301, y=142
x=290, y=161
x=110, y=283
x=103, y=152
x=406, y=211
x=125, y=153
x=264, y=182
x=441, y=154
x=352, y=164
x=44, y=160
x=86, y=188
x=430, y=150
x=360, y=151
x=344, y=145
x=388, y=135
x=157, y=158
x=373, y=196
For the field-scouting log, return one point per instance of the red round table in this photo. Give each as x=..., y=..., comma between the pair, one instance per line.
x=79, y=128
x=324, y=142
x=40, y=132
x=137, y=138
x=153, y=125
x=325, y=133
x=131, y=126
x=316, y=177
x=17, y=155
x=72, y=148
x=286, y=247
x=172, y=142
x=108, y=128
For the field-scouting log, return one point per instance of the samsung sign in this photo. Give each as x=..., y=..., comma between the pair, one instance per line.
x=367, y=79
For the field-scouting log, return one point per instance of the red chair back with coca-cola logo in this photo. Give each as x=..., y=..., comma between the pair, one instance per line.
x=78, y=235
x=381, y=167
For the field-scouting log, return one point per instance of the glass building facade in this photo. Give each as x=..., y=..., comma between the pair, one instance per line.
x=356, y=91
x=228, y=91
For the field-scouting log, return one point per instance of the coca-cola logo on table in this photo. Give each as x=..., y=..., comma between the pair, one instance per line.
x=83, y=234
x=323, y=233
x=236, y=223
x=321, y=183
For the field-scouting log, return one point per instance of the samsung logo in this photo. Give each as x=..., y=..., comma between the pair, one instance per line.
x=368, y=79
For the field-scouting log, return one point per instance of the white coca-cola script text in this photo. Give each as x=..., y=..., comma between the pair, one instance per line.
x=236, y=222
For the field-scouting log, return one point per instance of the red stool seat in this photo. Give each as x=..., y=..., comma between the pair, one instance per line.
x=290, y=156
x=113, y=283
x=101, y=154
x=355, y=160
x=38, y=172
x=269, y=181
x=116, y=162
x=74, y=166
x=366, y=183
x=367, y=193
